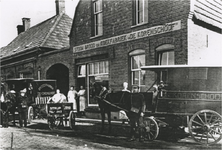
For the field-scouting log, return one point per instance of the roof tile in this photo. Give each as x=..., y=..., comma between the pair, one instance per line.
x=51, y=33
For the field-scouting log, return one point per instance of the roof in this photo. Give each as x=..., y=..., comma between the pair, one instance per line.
x=162, y=67
x=209, y=11
x=51, y=33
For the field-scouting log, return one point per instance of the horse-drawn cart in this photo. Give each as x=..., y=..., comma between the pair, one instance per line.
x=191, y=96
x=60, y=113
x=38, y=93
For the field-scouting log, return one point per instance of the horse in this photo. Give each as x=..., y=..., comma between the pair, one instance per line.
x=117, y=101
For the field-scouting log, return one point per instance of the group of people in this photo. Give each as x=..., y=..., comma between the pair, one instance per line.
x=72, y=97
x=15, y=101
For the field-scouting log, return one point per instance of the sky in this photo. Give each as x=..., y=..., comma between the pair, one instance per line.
x=12, y=12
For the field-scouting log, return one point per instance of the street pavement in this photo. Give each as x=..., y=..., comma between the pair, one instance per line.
x=22, y=138
x=86, y=136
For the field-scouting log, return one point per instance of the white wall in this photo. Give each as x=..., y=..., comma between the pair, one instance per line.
x=204, y=46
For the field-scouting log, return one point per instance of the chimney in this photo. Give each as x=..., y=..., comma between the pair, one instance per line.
x=20, y=29
x=26, y=23
x=25, y=26
x=60, y=6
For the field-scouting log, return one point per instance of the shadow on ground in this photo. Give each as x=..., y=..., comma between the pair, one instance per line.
x=118, y=137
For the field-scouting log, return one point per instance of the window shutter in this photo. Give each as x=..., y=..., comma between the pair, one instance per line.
x=133, y=12
x=145, y=10
x=92, y=19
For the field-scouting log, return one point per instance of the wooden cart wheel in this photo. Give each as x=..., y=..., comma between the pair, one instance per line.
x=151, y=129
x=50, y=123
x=54, y=122
x=72, y=121
x=30, y=114
x=205, y=127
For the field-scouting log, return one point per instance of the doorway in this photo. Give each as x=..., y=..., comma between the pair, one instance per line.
x=60, y=73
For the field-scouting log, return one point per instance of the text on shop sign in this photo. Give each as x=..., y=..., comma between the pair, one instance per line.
x=173, y=26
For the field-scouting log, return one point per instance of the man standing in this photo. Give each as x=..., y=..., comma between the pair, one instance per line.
x=23, y=107
x=72, y=97
x=136, y=116
x=58, y=97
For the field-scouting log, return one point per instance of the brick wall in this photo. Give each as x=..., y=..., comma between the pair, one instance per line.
x=48, y=60
x=117, y=20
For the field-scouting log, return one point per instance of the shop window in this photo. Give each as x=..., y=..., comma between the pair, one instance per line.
x=98, y=68
x=140, y=11
x=97, y=18
x=138, y=75
x=98, y=74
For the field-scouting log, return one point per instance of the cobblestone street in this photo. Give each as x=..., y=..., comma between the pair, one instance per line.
x=21, y=138
x=85, y=136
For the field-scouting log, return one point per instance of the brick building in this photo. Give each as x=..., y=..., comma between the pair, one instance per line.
x=111, y=40
x=41, y=51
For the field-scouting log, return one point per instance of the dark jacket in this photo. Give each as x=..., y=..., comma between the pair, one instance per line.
x=22, y=102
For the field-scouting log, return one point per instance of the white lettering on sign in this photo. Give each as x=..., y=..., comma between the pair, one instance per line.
x=172, y=26
x=45, y=85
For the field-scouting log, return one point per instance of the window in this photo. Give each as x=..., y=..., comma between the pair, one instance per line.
x=98, y=73
x=166, y=58
x=140, y=11
x=21, y=75
x=138, y=75
x=165, y=54
x=82, y=71
x=97, y=18
x=96, y=68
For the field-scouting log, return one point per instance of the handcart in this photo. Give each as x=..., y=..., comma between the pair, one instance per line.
x=59, y=114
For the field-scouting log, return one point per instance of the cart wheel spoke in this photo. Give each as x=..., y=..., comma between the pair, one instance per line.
x=200, y=119
x=211, y=116
x=197, y=122
x=208, y=130
x=205, y=117
x=151, y=128
x=212, y=136
x=217, y=120
x=215, y=131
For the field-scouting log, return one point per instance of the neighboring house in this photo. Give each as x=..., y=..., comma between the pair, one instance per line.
x=111, y=40
x=41, y=51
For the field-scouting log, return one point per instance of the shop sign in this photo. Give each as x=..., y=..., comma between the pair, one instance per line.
x=168, y=27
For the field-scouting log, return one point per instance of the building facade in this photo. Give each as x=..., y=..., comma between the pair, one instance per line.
x=41, y=51
x=111, y=40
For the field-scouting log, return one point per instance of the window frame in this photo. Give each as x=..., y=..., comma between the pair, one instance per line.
x=133, y=70
x=78, y=75
x=97, y=29
x=160, y=56
x=95, y=74
x=136, y=12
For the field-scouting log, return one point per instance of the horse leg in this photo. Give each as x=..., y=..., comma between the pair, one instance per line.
x=109, y=120
x=103, y=119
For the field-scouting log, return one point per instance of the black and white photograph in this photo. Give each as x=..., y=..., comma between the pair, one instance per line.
x=111, y=74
